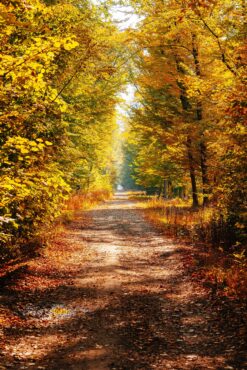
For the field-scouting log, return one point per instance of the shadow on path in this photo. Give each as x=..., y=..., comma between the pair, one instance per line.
x=114, y=295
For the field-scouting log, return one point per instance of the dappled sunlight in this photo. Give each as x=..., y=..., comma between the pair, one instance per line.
x=146, y=99
x=195, y=361
x=31, y=347
x=89, y=354
x=112, y=294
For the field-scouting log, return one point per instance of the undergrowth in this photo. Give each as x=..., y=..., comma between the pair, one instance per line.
x=224, y=266
x=83, y=201
x=47, y=234
x=78, y=202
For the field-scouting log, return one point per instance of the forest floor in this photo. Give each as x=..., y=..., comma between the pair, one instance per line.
x=112, y=292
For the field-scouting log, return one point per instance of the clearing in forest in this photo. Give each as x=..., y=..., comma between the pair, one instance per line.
x=114, y=293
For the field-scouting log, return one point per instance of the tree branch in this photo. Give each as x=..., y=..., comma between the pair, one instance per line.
x=223, y=56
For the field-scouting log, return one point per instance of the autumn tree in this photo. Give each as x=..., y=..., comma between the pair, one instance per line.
x=187, y=52
x=58, y=94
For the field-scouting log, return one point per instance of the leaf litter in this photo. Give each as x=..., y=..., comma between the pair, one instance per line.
x=115, y=294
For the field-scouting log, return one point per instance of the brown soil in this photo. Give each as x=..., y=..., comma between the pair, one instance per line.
x=115, y=294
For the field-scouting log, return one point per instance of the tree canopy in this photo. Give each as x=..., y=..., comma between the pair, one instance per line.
x=63, y=65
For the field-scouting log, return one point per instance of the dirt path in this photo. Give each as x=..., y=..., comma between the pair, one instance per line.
x=113, y=294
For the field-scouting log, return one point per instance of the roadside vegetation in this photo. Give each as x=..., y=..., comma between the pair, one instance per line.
x=186, y=139
x=59, y=80
x=63, y=67
x=218, y=263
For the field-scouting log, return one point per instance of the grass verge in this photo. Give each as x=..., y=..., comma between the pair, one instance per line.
x=220, y=265
x=73, y=208
x=49, y=233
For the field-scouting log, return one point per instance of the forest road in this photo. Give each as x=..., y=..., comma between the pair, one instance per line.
x=112, y=293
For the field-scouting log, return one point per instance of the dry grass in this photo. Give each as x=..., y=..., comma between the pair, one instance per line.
x=206, y=229
x=72, y=209
x=178, y=219
x=82, y=201
x=231, y=281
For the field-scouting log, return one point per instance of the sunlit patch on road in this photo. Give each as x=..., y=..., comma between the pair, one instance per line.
x=121, y=298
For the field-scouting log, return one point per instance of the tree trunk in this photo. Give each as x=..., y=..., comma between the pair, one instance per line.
x=186, y=106
x=165, y=189
x=192, y=172
x=199, y=117
x=170, y=189
x=204, y=169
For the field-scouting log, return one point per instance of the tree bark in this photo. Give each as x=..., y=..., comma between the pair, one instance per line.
x=165, y=192
x=199, y=117
x=186, y=106
x=204, y=169
x=192, y=172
